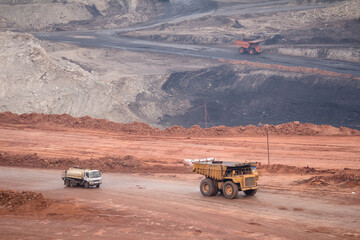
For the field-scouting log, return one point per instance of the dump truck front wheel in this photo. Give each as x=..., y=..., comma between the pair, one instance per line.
x=207, y=187
x=230, y=190
x=241, y=50
x=250, y=192
x=86, y=185
x=252, y=51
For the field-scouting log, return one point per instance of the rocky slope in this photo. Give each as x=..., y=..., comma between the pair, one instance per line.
x=49, y=15
x=32, y=81
x=335, y=23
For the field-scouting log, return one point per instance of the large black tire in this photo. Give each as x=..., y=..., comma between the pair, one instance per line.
x=97, y=185
x=252, y=51
x=241, y=50
x=215, y=189
x=230, y=190
x=86, y=185
x=250, y=192
x=73, y=183
x=207, y=187
x=67, y=182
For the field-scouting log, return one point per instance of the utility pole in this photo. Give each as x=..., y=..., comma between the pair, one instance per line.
x=268, y=149
x=205, y=115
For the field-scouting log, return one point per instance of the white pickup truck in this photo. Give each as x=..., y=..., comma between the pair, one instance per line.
x=83, y=177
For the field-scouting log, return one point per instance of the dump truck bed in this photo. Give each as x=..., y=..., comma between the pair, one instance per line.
x=218, y=169
x=248, y=43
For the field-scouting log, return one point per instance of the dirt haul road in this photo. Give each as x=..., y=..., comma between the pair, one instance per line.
x=171, y=207
x=93, y=39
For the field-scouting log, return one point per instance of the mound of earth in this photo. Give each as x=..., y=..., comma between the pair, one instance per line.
x=52, y=120
x=285, y=169
x=323, y=177
x=126, y=164
x=34, y=204
x=25, y=201
x=343, y=178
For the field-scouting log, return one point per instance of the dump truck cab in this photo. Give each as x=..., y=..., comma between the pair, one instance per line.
x=226, y=177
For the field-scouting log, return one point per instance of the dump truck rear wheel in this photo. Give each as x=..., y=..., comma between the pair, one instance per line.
x=67, y=183
x=230, y=190
x=250, y=192
x=241, y=50
x=215, y=188
x=72, y=183
x=86, y=185
x=207, y=187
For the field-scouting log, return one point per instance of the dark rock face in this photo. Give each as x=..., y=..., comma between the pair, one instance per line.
x=246, y=96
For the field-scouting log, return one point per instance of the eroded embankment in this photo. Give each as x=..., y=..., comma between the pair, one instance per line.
x=126, y=164
x=346, y=177
x=292, y=69
x=49, y=121
x=34, y=204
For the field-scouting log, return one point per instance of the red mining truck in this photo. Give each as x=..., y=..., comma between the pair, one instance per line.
x=250, y=46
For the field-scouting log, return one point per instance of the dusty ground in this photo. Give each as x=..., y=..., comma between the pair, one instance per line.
x=170, y=205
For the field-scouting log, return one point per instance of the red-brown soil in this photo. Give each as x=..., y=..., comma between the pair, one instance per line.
x=46, y=121
x=344, y=177
x=308, y=191
x=126, y=164
x=34, y=204
x=23, y=201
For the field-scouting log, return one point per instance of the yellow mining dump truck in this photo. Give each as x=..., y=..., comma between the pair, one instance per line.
x=226, y=177
x=84, y=177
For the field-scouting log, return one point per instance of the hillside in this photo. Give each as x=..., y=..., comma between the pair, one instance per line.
x=60, y=15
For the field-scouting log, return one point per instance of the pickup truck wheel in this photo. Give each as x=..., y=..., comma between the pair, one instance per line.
x=67, y=183
x=206, y=187
x=86, y=185
x=230, y=190
x=250, y=192
x=72, y=183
